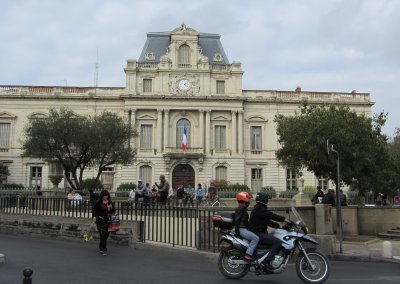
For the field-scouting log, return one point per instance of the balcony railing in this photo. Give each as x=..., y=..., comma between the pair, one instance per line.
x=184, y=66
x=148, y=65
x=173, y=150
x=220, y=67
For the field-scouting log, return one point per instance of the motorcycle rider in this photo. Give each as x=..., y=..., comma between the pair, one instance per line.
x=260, y=219
x=242, y=222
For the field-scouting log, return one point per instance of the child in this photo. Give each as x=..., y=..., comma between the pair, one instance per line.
x=242, y=221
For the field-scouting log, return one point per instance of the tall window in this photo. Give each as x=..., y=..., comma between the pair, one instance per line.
x=184, y=56
x=145, y=174
x=220, y=87
x=107, y=177
x=256, y=141
x=220, y=137
x=36, y=176
x=147, y=85
x=146, y=135
x=290, y=179
x=180, y=126
x=3, y=174
x=256, y=179
x=323, y=182
x=221, y=173
x=5, y=135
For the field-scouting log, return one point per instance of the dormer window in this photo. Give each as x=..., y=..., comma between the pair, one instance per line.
x=149, y=56
x=184, y=56
x=218, y=57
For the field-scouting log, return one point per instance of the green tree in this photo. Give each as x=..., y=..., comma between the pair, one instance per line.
x=394, y=152
x=364, y=159
x=79, y=142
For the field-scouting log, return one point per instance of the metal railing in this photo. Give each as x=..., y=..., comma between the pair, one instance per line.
x=178, y=226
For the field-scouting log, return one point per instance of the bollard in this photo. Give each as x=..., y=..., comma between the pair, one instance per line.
x=387, y=250
x=27, y=272
x=2, y=258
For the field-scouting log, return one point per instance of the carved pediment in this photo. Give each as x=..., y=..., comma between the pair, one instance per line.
x=184, y=30
x=146, y=116
x=7, y=115
x=38, y=114
x=221, y=118
x=256, y=118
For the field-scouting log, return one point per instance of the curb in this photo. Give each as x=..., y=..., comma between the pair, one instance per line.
x=359, y=258
x=155, y=247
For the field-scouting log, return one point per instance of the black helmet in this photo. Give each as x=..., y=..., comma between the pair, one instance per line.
x=262, y=198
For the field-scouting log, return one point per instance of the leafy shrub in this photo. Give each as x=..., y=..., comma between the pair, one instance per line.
x=126, y=186
x=231, y=190
x=90, y=183
x=269, y=190
x=221, y=184
x=288, y=193
x=310, y=191
x=12, y=186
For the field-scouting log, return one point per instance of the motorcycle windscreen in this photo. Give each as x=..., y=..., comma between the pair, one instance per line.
x=296, y=214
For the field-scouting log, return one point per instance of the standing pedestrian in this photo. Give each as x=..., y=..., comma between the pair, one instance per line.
x=163, y=188
x=100, y=216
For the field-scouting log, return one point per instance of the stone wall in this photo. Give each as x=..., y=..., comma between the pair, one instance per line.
x=64, y=228
x=368, y=221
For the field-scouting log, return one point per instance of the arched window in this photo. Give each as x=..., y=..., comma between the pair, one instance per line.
x=184, y=56
x=145, y=174
x=180, y=126
x=221, y=173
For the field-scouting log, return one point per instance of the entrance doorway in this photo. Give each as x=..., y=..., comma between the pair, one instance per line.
x=183, y=175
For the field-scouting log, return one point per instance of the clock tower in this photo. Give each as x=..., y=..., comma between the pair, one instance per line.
x=183, y=62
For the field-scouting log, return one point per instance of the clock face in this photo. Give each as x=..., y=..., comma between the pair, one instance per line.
x=184, y=85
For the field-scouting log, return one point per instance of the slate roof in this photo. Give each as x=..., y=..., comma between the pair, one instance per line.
x=159, y=42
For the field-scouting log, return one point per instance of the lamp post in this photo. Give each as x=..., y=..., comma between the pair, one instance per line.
x=338, y=205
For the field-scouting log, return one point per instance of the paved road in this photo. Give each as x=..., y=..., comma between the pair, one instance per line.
x=58, y=262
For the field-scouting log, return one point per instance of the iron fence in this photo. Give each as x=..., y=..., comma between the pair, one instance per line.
x=169, y=224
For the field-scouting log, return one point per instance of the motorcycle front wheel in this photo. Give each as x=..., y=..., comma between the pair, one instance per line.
x=309, y=274
x=229, y=269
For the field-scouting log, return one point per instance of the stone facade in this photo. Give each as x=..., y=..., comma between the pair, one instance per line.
x=182, y=80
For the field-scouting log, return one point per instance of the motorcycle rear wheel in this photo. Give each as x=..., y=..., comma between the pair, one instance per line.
x=317, y=275
x=231, y=270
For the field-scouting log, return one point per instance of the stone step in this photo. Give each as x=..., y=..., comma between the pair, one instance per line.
x=389, y=236
x=393, y=231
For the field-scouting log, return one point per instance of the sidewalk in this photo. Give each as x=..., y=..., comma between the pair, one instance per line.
x=366, y=250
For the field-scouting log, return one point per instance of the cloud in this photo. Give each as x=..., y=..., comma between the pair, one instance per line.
x=332, y=45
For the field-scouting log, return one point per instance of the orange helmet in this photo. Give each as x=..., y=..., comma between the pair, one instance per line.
x=243, y=197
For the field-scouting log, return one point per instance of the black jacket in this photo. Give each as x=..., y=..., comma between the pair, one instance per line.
x=261, y=218
x=241, y=218
x=101, y=213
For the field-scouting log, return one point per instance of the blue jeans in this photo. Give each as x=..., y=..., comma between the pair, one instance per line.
x=253, y=238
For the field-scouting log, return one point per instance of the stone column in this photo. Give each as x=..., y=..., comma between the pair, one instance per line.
x=201, y=127
x=234, y=132
x=240, y=131
x=133, y=126
x=208, y=131
x=166, y=128
x=159, y=131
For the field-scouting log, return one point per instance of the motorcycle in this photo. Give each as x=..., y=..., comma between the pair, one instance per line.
x=312, y=266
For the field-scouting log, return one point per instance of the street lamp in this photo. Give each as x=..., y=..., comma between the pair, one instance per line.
x=338, y=205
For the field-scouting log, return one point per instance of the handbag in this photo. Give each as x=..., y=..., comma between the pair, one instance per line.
x=114, y=222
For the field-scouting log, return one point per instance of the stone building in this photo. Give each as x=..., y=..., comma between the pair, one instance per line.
x=182, y=80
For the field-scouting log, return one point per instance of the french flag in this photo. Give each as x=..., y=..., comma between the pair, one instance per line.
x=184, y=139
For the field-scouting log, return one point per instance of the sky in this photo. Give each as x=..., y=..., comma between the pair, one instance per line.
x=330, y=45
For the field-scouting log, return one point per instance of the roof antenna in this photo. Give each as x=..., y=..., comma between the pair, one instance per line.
x=96, y=72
